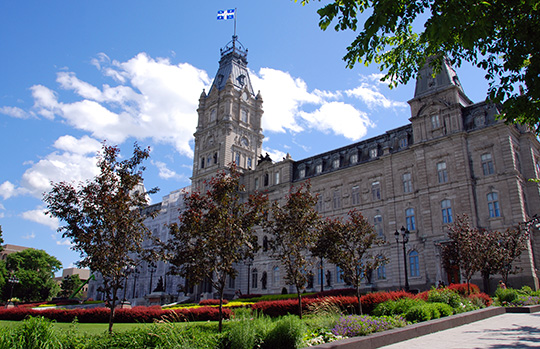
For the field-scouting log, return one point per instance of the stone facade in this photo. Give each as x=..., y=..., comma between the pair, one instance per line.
x=453, y=158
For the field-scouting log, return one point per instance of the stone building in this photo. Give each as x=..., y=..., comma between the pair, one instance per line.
x=453, y=158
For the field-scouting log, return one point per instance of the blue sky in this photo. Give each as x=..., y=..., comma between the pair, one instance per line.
x=75, y=73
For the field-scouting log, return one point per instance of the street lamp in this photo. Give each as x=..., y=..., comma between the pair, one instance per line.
x=13, y=280
x=404, y=239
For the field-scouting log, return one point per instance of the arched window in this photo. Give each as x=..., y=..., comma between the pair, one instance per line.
x=264, y=280
x=266, y=179
x=265, y=243
x=414, y=265
x=276, y=276
x=493, y=205
x=254, y=278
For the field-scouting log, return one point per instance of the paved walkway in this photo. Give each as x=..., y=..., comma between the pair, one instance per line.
x=502, y=331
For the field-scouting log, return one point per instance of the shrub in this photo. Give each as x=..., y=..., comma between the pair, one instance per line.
x=371, y=300
x=397, y=307
x=246, y=331
x=212, y=302
x=443, y=295
x=421, y=312
x=355, y=325
x=481, y=300
x=462, y=288
x=506, y=296
x=443, y=309
x=335, y=293
x=286, y=334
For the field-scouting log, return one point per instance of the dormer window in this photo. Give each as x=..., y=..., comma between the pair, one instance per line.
x=403, y=143
x=373, y=153
x=302, y=173
x=335, y=163
x=353, y=159
x=241, y=79
x=318, y=168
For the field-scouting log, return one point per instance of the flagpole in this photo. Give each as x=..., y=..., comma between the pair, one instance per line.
x=235, y=13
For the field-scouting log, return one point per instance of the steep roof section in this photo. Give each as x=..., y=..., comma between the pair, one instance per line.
x=233, y=66
x=426, y=84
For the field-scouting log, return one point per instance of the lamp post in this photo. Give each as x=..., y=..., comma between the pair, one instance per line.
x=13, y=280
x=404, y=239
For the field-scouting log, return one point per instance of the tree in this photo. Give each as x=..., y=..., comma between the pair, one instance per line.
x=512, y=243
x=215, y=233
x=3, y=270
x=349, y=245
x=294, y=227
x=34, y=270
x=69, y=284
x=462, y=248
x=489, y=254
x=502, y=37
x=104, y=218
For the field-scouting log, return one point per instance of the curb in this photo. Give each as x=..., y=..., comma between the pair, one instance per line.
x=396, y=335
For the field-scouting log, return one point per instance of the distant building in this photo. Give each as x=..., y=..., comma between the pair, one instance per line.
x=8, y=249
x=84, y=275
x=454, y=158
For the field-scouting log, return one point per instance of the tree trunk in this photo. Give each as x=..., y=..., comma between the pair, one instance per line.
x=359, y=303
x=113, y=306
x=485, y=279
x=220, y=325
x=299, y=301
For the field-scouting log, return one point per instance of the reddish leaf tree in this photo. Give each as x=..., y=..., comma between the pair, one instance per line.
x=349, y=245
x=294, y=227
x=104, y=218
x=512, y=243
x=216, y=232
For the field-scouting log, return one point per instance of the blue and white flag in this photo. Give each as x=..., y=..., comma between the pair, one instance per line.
x=225, y=14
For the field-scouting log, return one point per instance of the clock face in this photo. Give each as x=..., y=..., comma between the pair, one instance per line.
x=244, y=96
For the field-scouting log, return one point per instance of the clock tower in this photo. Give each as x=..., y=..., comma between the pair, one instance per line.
x=229, y=125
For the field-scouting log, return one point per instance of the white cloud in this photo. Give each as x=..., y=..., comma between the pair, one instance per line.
x=275, y=155
x=7, y=190
x=340, y=118
x=156, y=100
x=29, y=236
x=370, y=95
x=165, y=172
x=64, y=242
x=283, y=97
x=14, y=112
x=39, y=216
x=85, y=145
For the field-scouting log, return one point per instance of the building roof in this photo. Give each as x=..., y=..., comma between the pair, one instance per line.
x=427, y=84
x=233, y=66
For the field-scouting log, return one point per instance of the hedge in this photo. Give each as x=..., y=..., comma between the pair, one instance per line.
x=101, y=315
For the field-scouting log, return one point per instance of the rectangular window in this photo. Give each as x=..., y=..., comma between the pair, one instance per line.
x=335, y=163
x=373, y=153
x=446, y=209
x=339, y=275
x=441, y=172
x=435, y=122
x=256, y=183
x=231, y=282
x=354, y=158
x=337, y=199
x=355, y=195
x=237, y=159
x=414, y=265
x=407, y=183
x=378, y=226
x=276, y=178
x=320, y=204
x=487, y=164
x=410, y=220
x=381, y=272
x=493, y=205
x=249, y=162
x=302, y=173
x=376, y=191
x=403, y=143
x=318, y=168
x=202, y=162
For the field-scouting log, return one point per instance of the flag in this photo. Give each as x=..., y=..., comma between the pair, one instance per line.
x=225, y=14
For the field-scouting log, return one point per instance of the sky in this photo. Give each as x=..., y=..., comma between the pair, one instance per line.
x=74, y=74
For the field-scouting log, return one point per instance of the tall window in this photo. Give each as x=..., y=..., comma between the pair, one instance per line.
x=318, y=168
x=435, y=121
x=320, y=205
x=354, y=158
x=381, y=270
x=493, y=205
x=337, y=199
x=276, y=276
x=202, y=162
x=378, y=226
x=446, y=208
x=403, y=143
x=441, y=172
x=407, y=182
x=237, y=159
x=256, y=183
x=355, y=195
x=335, y=163
x=487, y=164
x=232, y=282
x=376, y=190
x=302, y=173
x=266, y=179
x=409, y=218
x=249, y=162
x=414, y=266
x=373, y=153
x=276, y=178
x=244, y=116
x=339, y=275
x=254, y=278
